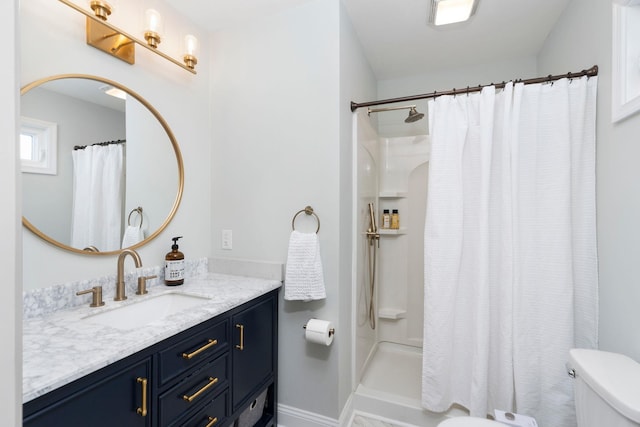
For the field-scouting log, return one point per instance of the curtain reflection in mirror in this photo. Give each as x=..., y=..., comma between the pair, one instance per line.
x=98, y=186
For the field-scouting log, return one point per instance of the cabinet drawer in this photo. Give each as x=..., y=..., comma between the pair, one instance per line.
x=187, y=353
x=194, y=390
x=213, y=414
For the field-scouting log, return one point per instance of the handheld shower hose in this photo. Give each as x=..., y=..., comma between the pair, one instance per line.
x=373, y=237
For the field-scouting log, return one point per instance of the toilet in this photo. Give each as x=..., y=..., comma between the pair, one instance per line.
x=606, y=388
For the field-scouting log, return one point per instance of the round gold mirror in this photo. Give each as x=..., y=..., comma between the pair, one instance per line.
x=101, y=169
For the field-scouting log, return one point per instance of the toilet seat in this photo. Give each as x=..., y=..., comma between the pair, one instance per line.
x=469, y=422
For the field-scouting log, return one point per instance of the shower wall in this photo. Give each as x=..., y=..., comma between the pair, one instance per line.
x=391, y=173
x=366, y=183
x=402, y=177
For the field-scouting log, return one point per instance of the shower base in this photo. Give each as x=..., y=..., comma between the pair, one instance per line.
x=391, y=387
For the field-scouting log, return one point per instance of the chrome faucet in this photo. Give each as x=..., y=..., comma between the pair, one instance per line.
x=120, y=289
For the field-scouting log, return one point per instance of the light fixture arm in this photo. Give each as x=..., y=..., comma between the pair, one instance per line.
x=127, y=35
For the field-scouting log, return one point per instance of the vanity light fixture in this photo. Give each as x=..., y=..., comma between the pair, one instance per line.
x=445, y=12
x=154, y=28
x=116, y=42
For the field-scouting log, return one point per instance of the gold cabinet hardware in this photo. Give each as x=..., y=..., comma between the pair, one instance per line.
x=210, y=384
x=241, y=345
x=212, y=421
x=142, y=410
x=96, y=292
x=207, y=346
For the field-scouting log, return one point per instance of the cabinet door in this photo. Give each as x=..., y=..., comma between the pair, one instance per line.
x=110, y=400
x=253, y=349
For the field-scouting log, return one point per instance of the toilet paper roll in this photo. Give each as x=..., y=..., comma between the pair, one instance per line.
x=319, y=332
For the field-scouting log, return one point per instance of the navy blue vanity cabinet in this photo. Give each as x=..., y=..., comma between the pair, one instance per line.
x=205, y=376
x=254, y=354
x=117, y=396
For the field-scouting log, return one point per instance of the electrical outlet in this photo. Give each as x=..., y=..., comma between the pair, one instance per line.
x=227, y=239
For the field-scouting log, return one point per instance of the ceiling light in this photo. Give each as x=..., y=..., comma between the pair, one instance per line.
x=114, y=91
x=445, y=12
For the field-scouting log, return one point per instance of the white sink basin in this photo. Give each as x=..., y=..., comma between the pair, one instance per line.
x=148, y=310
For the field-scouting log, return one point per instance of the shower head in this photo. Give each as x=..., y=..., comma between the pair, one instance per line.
x=414, y=116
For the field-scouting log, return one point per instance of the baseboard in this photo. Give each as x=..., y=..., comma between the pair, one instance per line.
x=289, y=416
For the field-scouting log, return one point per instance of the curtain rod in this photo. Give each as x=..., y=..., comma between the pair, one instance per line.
x=593, y=71
x=82, y=147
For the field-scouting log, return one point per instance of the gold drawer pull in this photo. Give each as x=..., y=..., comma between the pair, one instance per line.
x=142, y=411
x=241, y=345
x=207, y=346
x=212, y=421
x=211, y=382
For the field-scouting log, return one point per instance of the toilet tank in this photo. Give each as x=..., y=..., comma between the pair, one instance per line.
x=606, y=388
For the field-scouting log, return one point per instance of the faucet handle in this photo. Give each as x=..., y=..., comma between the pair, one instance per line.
x=142, y=284
x=96, y=292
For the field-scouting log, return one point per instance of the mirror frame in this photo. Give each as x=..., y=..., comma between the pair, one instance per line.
x=164, y=125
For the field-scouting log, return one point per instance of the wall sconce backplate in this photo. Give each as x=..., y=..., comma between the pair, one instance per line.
x=107, y=40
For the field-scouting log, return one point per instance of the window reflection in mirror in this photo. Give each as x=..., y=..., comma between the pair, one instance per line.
x=38, y=146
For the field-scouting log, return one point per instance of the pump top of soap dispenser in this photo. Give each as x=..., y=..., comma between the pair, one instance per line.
x=174, y=247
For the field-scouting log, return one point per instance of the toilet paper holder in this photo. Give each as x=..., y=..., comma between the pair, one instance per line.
x=332, y=331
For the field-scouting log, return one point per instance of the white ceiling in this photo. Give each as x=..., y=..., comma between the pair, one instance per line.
x=395, y=35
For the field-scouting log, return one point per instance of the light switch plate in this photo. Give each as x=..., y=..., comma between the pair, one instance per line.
x=227, y=239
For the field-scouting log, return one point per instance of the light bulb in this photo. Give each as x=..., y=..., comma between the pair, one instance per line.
x=154, y=27
x=154, y=20
x=190, y=44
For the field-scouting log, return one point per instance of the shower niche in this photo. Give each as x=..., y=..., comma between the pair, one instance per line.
x=402, y=183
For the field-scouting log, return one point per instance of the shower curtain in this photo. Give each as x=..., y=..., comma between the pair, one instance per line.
x=97, y=197
x=510, y=248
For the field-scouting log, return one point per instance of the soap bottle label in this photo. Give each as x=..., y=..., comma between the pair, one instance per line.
x=174, y=270
x=386, y=220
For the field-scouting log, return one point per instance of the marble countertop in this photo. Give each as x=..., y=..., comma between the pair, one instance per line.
x=63, y=346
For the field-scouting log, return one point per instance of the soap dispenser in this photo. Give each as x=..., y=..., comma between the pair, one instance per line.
x=174, y=265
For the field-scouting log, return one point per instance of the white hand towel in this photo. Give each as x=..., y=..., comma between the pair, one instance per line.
x=303, y=278
x=132, y=235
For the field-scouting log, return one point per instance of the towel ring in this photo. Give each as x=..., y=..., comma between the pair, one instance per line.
x=309, y=211
x=139, y=211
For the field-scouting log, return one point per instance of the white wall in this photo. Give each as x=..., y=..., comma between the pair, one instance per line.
x=581, y=39
x=11, y=249
x=276, y=149
x=146, y=135
x=180, y=97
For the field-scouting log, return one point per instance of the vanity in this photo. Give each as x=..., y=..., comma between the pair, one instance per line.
x=202, y=354
x=213, y=363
